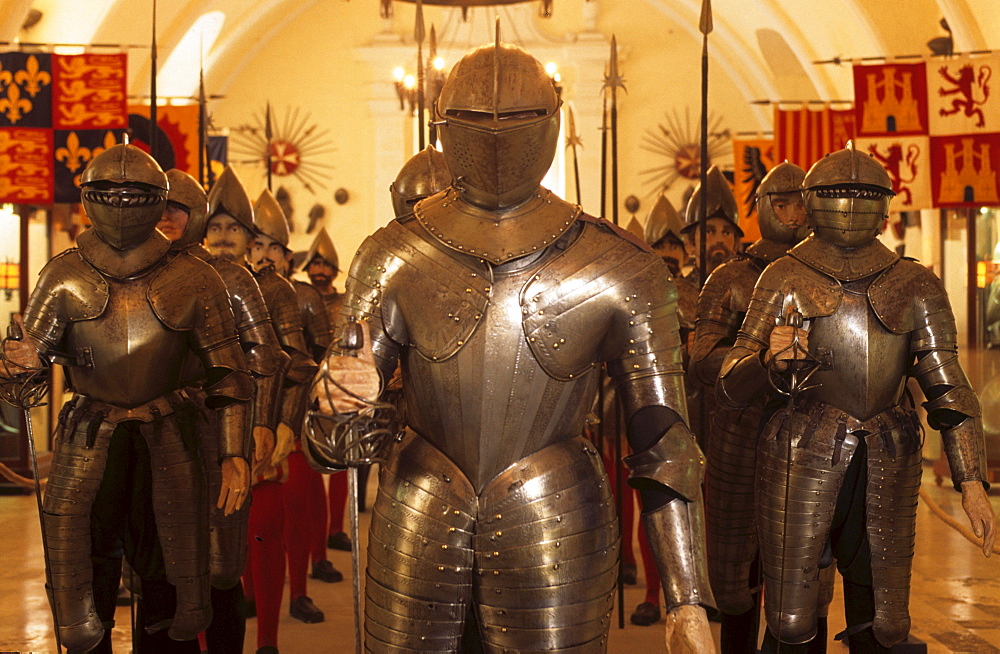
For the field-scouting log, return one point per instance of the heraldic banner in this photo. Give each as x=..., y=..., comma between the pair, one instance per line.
x=805, y=135
x=72, y=105
x=177, y=140
x=753, y=158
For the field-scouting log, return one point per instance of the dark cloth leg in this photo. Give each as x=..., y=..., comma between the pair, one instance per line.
x=228, y=629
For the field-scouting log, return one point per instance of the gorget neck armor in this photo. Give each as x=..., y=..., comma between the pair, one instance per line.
x=496, y=235
x=841, y=263
x=767, y=250
x=122, y=264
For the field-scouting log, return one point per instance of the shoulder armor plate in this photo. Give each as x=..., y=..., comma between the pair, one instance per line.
x=180, y=291
x=420, y=276
x=599, y=270
x=79, y=287
x=812, y=292
x=904, y=294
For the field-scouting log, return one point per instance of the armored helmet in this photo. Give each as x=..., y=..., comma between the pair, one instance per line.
x=423, y=175
x=721, y=202
x=322, y=246
x=662, y=221
x=188, y=193
x=847, y=196
x=269, y=219
x=124, y=194
x=499, y=114
x=229, y=196
x=783, y=178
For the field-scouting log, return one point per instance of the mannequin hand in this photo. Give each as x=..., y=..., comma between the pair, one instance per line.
x=782, y=337
x=977, y=507
x=358, y=374
x=688, y=631
x=263, y=439
x=284, y=442
x=235, y=484
x=22, y=354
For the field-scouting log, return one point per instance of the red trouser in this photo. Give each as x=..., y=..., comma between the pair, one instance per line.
x=338, y=501
x=305, y=524
x=264, y=580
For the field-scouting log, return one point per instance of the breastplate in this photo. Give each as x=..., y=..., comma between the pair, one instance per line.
x=136, y=358
x=492, y=404
x=863, y=363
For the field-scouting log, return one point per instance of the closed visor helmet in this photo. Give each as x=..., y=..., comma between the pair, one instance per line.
x=847, y=196
x=783, y=178
x=186, y=192
x=423, y=175
x=124, y=192
x=499, y=114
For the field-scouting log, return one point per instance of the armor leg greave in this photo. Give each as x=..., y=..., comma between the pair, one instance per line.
x=179, y=505
x=731, y=453
x=420, y=554
x=794, y=530
x=74, y=480
x=547, y=553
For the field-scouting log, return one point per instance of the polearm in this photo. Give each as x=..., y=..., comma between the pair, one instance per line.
x=268, y=134
x=705, y=26
x=612, y=80
x=572, y=141
x=418, y=35
x=203, y=157
x=153, y=129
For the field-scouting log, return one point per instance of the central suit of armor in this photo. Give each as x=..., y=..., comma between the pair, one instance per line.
x=502, y=301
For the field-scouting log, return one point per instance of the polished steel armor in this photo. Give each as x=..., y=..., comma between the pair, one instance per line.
x=322, y=246
x=872, y=319
x=228, y=196
x=112, y=315
x=188, y=193
x=721, y=203
x=269, y=219
x=424, y=174
x=662, y=220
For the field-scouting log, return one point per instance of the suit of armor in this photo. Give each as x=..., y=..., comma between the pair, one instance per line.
x=873, y=320
x=116, y=308
x=731, y=439
x=501, y=300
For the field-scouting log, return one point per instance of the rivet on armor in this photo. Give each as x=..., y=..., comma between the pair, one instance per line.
x=457, y=319
x=555, y=346
x=631, y=322
x=496, y=553
x=478, y=316
x=456, y=512
x=541, y=312
x=631, y=351
x=496, y=573
x=532, y=339
x=446, y=478
x=635, y=366
x=571, y=376
x=440, y=568
x=555, y=567
x=468, y=290
x=451, y=530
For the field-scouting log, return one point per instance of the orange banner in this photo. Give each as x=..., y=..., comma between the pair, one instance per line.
x=89, y=91
x=178, y=127
x=754, y=157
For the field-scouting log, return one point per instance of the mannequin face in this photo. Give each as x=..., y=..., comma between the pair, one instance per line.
x=789, y=208
x=173, y=221
x=672, y=253
x=720, y=241
x=321, y=273
x=265, y=251
x=226, y=237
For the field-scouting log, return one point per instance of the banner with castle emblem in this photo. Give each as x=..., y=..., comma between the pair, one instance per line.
x=73, y=150
x=753, y=158
x=890, y=99
x=907, y=159
x=964, y=173
x=804, y=136
x=89, y=91
x=25, y=90
x=959, y=96
x=25, y=165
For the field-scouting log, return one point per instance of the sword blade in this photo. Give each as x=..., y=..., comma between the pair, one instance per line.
x=352, y=495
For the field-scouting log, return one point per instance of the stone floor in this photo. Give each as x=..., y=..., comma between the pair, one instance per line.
x=955, y=601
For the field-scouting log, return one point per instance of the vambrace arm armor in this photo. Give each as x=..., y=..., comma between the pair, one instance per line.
x=667, y=467
x=717, y=321
x=268, y=364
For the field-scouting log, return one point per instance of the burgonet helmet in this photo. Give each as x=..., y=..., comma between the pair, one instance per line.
x=499, y=114
x=322, y=247
x=663, y=221
x=847, y=196
x=269, y=219
x=229, y=196
x=721, y=202
x=783, y=178
x=424, y=174
x=124, y=192
x=188, y=193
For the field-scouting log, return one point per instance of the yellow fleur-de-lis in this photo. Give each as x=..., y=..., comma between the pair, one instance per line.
x=109, y=142
x=73, y=155
x=6, y=77
x=14, y=105
x=32, y=77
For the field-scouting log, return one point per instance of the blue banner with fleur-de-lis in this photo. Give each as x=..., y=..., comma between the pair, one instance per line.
x=25, y=89
x=73, y=149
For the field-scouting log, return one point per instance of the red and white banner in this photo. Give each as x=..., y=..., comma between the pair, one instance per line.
x=89, y=91
x=907, y=159
x=890, y=99
x=961, y=98
x=964, y=173
x=804, y=136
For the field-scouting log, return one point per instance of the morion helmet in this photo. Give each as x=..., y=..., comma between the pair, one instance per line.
x=269, y=219
x=423, y=175
x=499, y=115
x=783, y=178
x=229, y=196
x=661, y=222
x=188, y=193
x=721, y=202
x=124, y=192
x=847, y=196
x=322, y=247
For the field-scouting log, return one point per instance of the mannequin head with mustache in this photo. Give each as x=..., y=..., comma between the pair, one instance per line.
x=721, y=241
x=226, y=237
